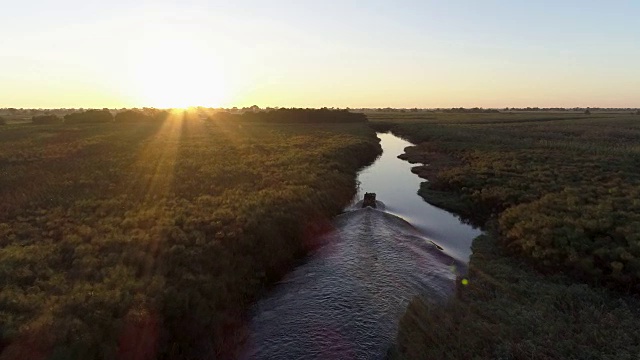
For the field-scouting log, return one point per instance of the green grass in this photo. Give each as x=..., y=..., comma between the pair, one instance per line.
x=145, y=240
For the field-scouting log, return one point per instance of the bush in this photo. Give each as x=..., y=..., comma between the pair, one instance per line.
x=45, y=119
x=592, y=233
x=323, y=115
x=89, y=116
x=141, y=115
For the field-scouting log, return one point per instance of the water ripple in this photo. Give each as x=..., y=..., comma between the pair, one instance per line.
x=346, y=300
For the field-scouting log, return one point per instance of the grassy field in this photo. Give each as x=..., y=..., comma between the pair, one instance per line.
x=561, y=193
x=150, y=239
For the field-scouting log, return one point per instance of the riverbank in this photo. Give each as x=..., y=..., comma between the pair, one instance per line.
x=428, y=164
x=394, y=181
x=345, y=299
x=535, y=183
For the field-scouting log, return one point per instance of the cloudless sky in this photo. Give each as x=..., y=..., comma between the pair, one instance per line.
x=85, y=53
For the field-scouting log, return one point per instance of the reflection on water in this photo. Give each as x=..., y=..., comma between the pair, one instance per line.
x=395, y=185
x=345, y=301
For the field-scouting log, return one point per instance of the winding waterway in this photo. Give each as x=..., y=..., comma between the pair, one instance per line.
x=395, y=185
x=345, y=300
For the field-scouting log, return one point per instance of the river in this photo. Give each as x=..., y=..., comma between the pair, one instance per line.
x=345, y=300
x=396, y=186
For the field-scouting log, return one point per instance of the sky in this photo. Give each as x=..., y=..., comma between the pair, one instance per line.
x=347, y=53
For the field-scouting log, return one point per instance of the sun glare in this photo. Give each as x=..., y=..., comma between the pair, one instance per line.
x=179, y=74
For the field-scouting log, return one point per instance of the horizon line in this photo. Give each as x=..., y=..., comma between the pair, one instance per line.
x=8, y=108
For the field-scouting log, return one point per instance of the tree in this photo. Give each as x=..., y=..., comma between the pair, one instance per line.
x=131, y=116
x=89, y=116
x=147, y=114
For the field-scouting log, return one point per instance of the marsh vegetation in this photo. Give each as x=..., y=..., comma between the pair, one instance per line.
x=558, y=194
x=145, y=239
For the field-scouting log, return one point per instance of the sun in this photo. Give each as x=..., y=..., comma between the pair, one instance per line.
x=178, y=74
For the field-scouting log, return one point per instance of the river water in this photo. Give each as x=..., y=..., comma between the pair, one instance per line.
x=345, y=300
x=396, y=186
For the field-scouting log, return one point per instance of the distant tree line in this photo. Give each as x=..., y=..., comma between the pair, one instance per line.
x=576, y=109
x=103, y=116
x=461, y=110
x=474, y=110
x=159, y=114
x=143, y=115
x=89, y=116
x=323, y=115
x=255, y=114
x=506, y=109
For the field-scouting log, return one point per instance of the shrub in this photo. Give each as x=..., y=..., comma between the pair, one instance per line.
x=45, y=119
x=89, y=116
x=323, y=115
x=141, y=115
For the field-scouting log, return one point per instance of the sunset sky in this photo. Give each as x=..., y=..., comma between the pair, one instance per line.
x=72, y=53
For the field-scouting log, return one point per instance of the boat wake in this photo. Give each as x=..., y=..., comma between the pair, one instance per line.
x=346, y=300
